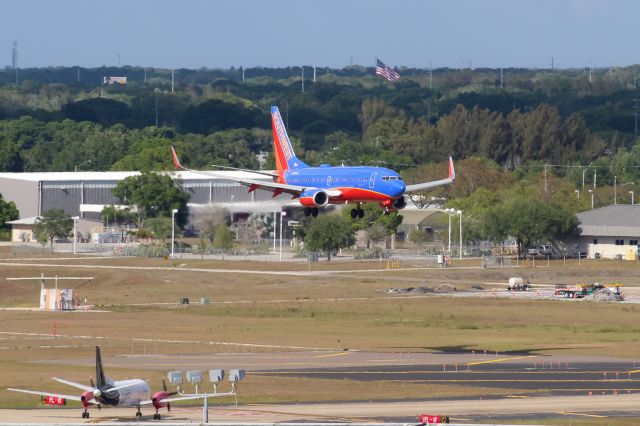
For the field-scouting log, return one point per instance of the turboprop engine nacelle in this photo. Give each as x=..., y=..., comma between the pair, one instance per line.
x=314, y=198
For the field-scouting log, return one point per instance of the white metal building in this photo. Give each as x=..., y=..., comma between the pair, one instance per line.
x=611, y=231
x=84, y=194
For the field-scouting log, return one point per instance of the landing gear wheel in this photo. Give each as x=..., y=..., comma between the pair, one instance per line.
x=138, y=414
x=360, y=213
x=307, y=211
x=354, y=213
x=85, y=415
x=156, y=416
x=314, y=212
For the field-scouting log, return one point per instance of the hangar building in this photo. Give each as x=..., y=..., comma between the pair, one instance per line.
x=84, y=194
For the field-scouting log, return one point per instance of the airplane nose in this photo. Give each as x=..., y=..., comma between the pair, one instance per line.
x=400, y=188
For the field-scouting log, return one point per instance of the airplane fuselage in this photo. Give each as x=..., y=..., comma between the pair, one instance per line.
x=130, y=396
x=356, y=184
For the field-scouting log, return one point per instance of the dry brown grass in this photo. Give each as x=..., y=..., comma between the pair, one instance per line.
x=345, y=310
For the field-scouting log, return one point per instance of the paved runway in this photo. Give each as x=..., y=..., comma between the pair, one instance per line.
x=561, y=379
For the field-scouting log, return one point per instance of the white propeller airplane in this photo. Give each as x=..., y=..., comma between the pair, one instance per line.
x=120, y=393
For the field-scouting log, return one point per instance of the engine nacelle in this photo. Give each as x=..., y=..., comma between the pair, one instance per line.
x=314, y=198
x=157, y=397
x=86, y=397
x=399, y=204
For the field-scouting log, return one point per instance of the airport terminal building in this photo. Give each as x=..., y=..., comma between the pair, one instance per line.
x=84, y=194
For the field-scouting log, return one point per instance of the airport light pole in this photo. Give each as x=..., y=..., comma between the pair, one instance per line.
x=449, y=212
x=615, y=190
x=631, y=192
x=282, y=215
x=591, y=192
x=173, y=231
x=459, y=212
x=75, y=234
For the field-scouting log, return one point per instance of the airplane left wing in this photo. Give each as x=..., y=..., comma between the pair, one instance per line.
x=59, y=395
x=426, y=185
x=253, y=184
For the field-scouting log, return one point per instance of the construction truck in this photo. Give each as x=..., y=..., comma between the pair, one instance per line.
x=517, y=284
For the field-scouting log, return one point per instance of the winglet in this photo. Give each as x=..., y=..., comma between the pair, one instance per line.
x=452, y=171
x=176, y=161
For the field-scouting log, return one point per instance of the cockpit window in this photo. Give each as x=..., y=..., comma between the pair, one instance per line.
x=391, y=178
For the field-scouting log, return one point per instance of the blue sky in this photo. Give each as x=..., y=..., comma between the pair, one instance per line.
x=198, y=33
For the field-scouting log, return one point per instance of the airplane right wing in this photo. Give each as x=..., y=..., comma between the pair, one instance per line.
x=187, y=397
x=449, y=180
x=59, y=395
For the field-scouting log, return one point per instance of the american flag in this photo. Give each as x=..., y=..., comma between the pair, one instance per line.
x=385, y=71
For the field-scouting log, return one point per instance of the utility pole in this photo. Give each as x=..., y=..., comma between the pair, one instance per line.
x=552, y=63
x=302, y=76
x=430, y=75
x=635, y=115
x=145, y=76
x=78, y=76
x=595, y=175
x=14, y=59
x=501, y=78
x=589, y=75
x=314, y=74
x=242, y=74
x=172, y=80
x=545, y=178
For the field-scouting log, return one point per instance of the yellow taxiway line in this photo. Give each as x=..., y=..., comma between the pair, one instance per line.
x=501, y=360
x=570, y=413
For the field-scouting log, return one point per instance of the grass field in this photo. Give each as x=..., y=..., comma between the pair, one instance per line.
x=324, y=309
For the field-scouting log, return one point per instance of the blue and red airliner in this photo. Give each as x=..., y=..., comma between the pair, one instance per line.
x=315, y=187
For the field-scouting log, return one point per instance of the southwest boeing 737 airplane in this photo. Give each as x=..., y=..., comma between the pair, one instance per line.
x=314, y=187
x=123, y=393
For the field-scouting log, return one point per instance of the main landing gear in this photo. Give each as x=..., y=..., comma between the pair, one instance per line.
x=357, y=212
x=85, y=414
x=311, y=211
x=139, y=413
x=156, y=416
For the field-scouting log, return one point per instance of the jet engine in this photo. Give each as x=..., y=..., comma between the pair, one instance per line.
x=314, y=198
x=399, y=204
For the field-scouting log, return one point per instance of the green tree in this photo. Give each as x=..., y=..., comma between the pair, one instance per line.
x=224, y=237
x=154, y=195
x=329, y=233
x=202, y=247
x=53, y=224
x=8, y=212
x=528, y=218
x=160, y=226
x=116, y=216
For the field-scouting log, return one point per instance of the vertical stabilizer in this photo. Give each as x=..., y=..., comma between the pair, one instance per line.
x=282, y=150
x=100, y=377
